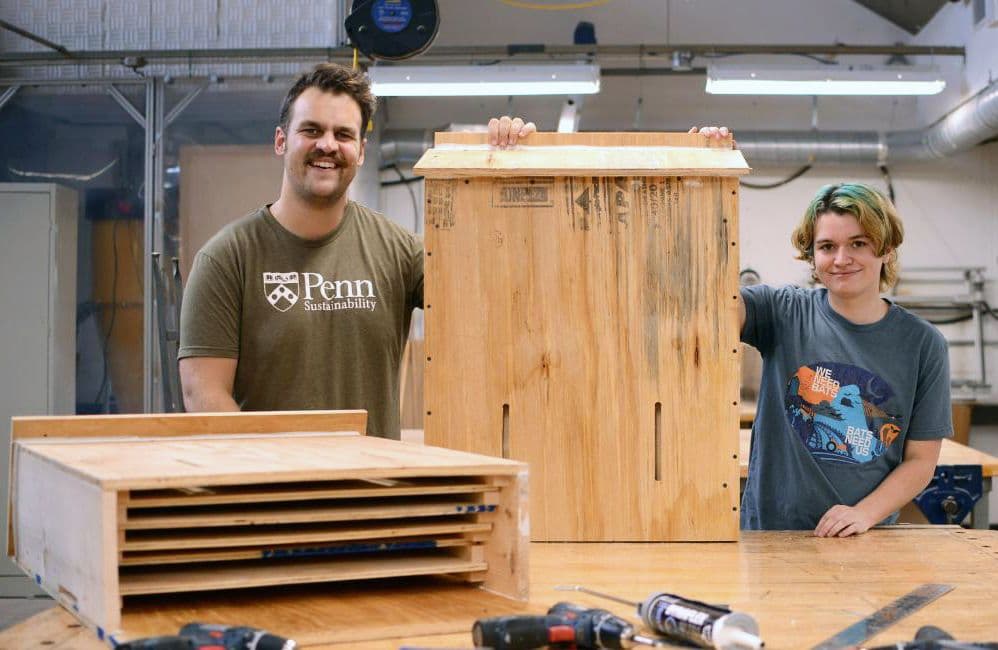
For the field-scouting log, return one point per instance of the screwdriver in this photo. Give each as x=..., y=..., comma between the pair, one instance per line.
x=692, y=621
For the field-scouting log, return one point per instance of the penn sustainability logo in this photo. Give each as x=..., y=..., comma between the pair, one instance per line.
x=285, y=290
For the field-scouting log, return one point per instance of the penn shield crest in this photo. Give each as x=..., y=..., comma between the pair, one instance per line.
x=281, y=289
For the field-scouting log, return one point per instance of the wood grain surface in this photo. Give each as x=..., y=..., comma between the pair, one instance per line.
x=129, y=463
x=801, y=590
x=587, y=325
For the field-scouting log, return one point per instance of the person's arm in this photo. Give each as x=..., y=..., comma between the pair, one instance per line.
x=898, y=488
x=742, y=315
x=207, y=383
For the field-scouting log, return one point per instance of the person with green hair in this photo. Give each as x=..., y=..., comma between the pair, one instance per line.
x=854, y=399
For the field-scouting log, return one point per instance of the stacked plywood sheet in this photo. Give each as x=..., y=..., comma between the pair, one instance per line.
x=146, y=505
x=581, y=315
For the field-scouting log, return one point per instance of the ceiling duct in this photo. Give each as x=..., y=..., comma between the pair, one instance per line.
x=971, y=123
x=909, y=15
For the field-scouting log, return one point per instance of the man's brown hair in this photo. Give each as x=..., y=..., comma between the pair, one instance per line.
x=336, y=79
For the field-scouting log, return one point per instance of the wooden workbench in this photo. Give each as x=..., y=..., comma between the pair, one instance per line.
x=800, y=588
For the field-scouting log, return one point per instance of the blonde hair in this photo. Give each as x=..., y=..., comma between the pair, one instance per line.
x=876, y=215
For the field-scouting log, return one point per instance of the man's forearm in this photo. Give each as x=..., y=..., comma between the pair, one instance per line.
x=209, y=402
x=898, y=488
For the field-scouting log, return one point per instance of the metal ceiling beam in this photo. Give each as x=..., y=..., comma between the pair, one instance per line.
x=466, y=53
x=36, y=38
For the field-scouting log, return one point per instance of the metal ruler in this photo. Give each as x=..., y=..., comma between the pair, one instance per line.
x=883, y=618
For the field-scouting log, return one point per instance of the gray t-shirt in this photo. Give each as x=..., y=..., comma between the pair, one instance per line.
x=837, y=403
x=315, y=324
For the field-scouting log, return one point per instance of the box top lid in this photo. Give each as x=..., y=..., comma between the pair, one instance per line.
x=142, y=463
x=461, y=155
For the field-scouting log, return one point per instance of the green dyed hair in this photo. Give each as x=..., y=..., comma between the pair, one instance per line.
x=876, y=215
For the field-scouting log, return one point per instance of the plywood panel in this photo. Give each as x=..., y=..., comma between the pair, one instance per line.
x=304, y=491
x=588, y=325
x=239, y=459
x=185, y=424
x=219, y=184
x=314, y=534
x=249, y=574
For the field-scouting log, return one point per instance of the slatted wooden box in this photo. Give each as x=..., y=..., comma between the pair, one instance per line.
x=110, y=506
x=581, y=315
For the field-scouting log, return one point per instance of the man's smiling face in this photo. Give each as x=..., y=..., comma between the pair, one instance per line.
x=322, y=146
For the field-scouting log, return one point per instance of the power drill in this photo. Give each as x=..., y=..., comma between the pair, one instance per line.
x=566, y=625
x=202, y=636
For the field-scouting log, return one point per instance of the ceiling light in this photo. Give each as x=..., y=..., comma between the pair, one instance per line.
x=478, y=80
x=824, y=80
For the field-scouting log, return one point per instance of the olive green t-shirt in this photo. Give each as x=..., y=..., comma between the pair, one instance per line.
x=315, y=324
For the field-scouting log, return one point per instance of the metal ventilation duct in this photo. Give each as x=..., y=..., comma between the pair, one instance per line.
x=909, y=15
x=969, y=124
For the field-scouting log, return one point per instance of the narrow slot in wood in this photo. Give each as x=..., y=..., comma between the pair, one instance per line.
x=505, y=430
x=658, y=441
x=302, y=534
x=257, y=574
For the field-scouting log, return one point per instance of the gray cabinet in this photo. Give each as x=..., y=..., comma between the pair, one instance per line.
x=38, y=224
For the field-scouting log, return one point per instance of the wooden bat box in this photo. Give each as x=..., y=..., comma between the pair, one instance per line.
x=105, y=507
x=581, y=315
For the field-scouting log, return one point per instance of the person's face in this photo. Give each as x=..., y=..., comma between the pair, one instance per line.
x=844, y=257
x=323, y=145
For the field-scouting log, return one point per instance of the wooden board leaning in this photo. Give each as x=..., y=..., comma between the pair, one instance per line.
x=581, y=315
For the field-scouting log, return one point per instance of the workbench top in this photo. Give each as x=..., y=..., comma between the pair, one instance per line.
x=801, y=590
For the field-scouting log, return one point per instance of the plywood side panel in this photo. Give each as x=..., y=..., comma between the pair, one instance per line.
x=71, y=550
x=185, y=424
x=575, y=305
x=507, y=549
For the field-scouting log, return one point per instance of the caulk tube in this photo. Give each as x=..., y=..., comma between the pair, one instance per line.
x=699, y=623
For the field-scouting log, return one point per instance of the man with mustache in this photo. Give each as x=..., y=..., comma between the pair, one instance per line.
x=306, y=303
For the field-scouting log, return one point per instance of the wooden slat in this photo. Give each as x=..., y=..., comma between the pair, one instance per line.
x=155, y=463
x=591, y=139
x=280, y=513
x=290, y=573
x=277, y=553
x=185, y=424
x=296, y=535
x=596, y=161
x=303, y=492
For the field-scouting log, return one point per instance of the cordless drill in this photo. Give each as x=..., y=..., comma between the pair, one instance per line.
x=201, y=636
x=566, y=626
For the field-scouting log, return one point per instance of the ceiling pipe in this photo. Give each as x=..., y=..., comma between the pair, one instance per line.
x=971, y=123
x=470, y=54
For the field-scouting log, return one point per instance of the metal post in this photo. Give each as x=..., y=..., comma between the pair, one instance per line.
x=152, y=344
x=148, y=239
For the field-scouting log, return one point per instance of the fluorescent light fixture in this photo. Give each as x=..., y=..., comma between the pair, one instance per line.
x=479, y=80
x=824, y=80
